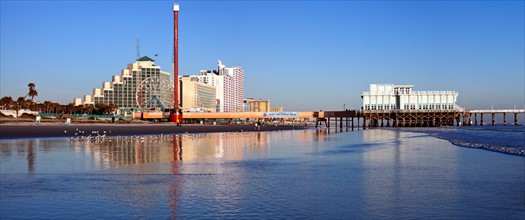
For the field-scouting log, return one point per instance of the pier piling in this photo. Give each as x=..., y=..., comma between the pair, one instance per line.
x=481, y=123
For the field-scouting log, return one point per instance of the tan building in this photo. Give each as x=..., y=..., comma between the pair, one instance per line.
x=197, y=96
x=277, y=109
x=252, y=105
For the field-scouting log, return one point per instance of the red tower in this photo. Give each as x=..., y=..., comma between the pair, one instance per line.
x=175, y=115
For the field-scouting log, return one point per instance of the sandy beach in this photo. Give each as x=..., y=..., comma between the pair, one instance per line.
x=32, y=130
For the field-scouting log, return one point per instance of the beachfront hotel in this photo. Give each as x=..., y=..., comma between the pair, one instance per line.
x=196, y=96
x=402, y=97
x=229, y=84
x=135, y=88
x=143, y=85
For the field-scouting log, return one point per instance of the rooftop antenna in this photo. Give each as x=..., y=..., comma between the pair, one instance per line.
x=138, y=49
x=139, y=69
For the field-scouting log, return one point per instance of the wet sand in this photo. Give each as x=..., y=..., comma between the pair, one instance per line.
x=12, y=131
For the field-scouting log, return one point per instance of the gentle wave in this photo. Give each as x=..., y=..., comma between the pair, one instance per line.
x=503, y=139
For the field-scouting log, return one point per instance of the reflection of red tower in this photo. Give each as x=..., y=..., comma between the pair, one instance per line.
x=175, y=187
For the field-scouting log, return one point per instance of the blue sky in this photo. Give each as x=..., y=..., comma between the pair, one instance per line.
x=304, y=56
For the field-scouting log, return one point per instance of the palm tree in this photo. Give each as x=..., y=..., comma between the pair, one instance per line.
x=49, y=106
x=19, y=104
x=31, y=86
x=32, y=91
x=89, y=109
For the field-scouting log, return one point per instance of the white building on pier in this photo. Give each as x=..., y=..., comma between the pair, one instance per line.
x=401, y=97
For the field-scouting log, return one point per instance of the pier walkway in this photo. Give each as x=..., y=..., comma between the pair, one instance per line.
x=364, y=118
x=467, y=115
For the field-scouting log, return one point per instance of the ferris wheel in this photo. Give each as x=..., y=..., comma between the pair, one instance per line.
x=154, y=92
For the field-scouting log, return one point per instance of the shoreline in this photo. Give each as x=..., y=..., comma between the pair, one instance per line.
x=481, y=141
x=51, y=130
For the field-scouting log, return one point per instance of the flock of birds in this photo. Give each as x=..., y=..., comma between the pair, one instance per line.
x=95, y=136
x=105, y=136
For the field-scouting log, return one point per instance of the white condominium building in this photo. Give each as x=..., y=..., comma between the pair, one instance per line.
x=401, y=97
x=229, y=84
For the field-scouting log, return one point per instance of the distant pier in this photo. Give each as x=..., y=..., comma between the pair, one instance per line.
x=352, y=119
x=467, y=116
x=411, y=118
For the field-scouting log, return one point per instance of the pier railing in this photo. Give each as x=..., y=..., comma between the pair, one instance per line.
x=456, y=106
x=498, y=111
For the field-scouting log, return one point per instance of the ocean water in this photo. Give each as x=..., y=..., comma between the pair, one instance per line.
x=308, y=174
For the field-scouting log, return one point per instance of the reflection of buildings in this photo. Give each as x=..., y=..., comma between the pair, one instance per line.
x=115, y=152
x=124, y=152
x=227, y=146
x=155, y=149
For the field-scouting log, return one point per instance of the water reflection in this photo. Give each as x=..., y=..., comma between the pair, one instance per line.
x=397, y=171
x=113, y=152
x=175, y=187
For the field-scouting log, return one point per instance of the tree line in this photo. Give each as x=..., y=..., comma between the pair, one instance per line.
x=8, y=103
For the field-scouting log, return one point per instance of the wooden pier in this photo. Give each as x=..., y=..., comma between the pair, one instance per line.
x=410, y=118
x=352, y=119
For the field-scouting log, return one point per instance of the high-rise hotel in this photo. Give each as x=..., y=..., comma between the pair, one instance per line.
x=141, y=85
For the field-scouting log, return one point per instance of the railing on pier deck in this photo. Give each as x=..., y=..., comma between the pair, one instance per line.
x=497, y=111
x=468, y=115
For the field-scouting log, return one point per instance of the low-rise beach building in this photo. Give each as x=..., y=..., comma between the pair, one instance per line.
x=402, y=97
